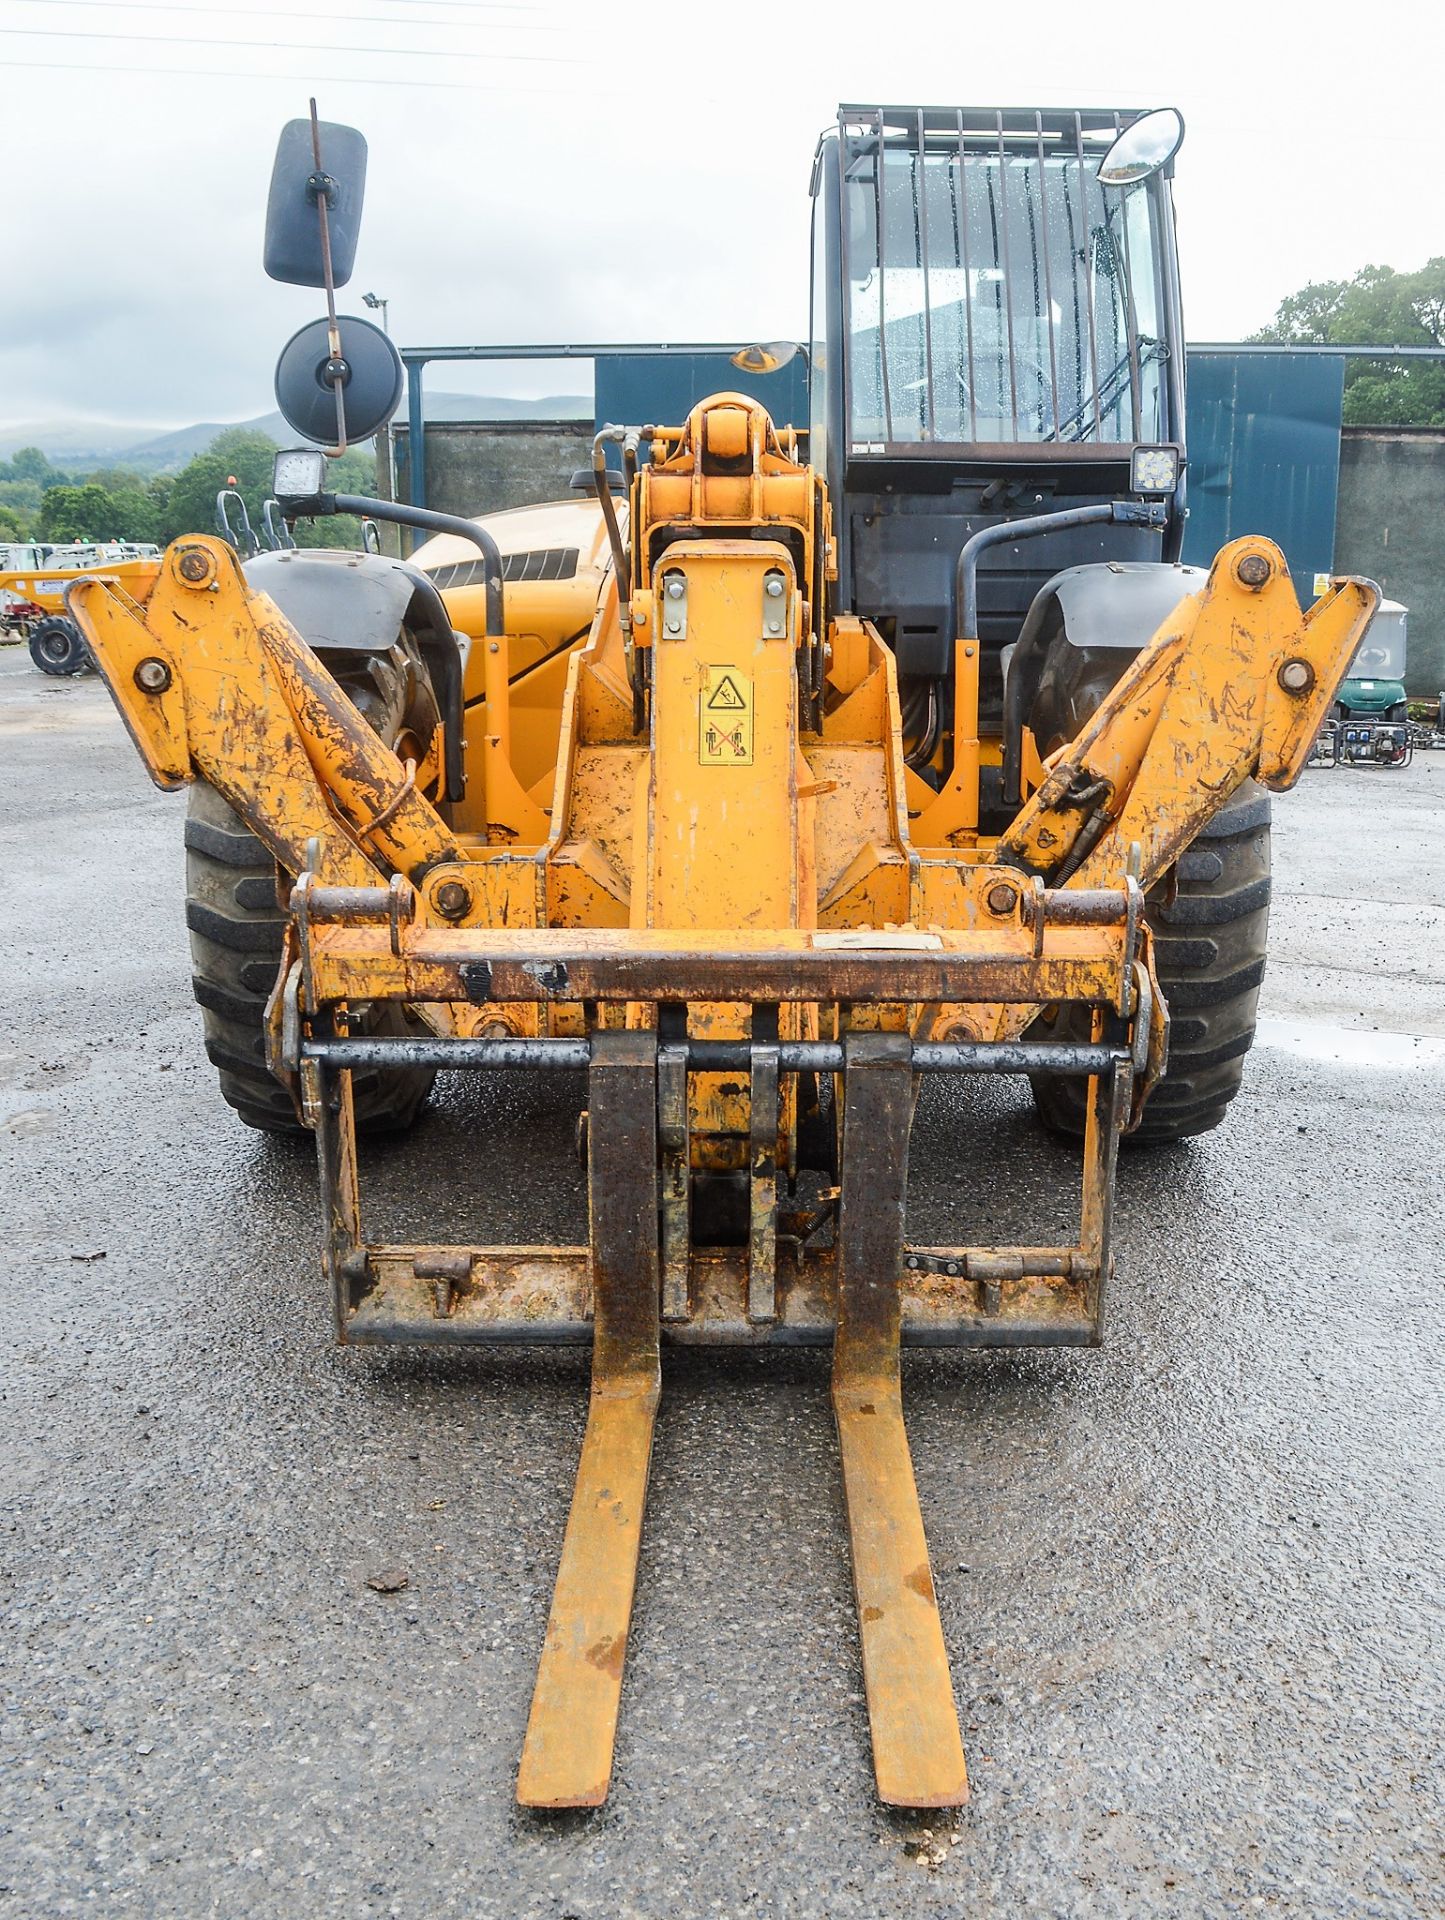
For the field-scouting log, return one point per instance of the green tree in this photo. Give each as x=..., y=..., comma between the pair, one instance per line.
x=76, y=513
x=23, y=481
x=96, y=512
x=238, y=454
x=1378, y=307
x=133, y=513
x=187, y=502
x=21, y=500
x=113, y=479
x=29, y=463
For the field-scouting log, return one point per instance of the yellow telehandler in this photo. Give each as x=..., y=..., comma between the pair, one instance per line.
x=756, y=795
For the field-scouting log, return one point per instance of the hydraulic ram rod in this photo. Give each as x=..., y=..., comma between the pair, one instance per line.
x=1082, y=1058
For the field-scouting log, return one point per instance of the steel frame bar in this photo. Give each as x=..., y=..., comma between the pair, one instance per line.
x=541, y=1296
x=674, y=1141
x=878, y=203
x=567, y=1754
x=961, y=204
x=711, y=1056
x=1063, y=952
x=1108, y=1106
x=327, y=1105
x=920, y=202
x=1043, y=216
x=1009, y=290
x=917, y=1748
x=1088, y=279
x=947, y=1296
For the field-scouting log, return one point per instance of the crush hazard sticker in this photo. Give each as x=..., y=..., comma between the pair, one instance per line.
x=725, y=718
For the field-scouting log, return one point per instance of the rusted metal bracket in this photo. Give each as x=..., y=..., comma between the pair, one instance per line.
x=327, y=1108
x=567, y=1756
x=240, y=699
x=763, y=1181
x=675, y=1141
x=1235, y=684
x=1107, y=1113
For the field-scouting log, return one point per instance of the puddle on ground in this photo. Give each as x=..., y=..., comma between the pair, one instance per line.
x=1350, y=1046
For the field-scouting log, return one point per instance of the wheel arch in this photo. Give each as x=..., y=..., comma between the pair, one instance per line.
x=1086, y=623
x=343, y=602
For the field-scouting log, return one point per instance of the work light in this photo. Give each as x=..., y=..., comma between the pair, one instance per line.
x=1151, y=470
x=299, y=474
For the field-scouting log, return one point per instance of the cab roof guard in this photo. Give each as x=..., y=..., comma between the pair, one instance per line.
x=983, y=127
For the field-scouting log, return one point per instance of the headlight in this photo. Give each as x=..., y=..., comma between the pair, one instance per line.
x=1154, y=470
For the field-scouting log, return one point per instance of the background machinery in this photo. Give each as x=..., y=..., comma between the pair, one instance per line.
x=32, y=595
x=755, y=796
x=1372, y=719
x=1371, y=723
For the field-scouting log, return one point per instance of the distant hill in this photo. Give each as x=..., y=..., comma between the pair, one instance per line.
x=76, y=445
x=73, y=442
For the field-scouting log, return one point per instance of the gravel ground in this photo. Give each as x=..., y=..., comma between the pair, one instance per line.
x=1191, y=1585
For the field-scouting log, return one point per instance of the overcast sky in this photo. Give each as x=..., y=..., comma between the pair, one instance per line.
x=624, y=171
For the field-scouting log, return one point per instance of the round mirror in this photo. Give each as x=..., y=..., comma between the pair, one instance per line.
x=765, y=359
x=1143, y=148
x=371, y=381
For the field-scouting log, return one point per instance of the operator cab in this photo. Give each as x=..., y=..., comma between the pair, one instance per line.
x=996, y=334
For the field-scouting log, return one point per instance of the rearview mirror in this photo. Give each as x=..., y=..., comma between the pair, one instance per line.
x=369, y=374
x=765, y=358
x=1150, y=143
x=293, y=231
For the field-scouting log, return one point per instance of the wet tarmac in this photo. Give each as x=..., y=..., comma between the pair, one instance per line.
x=1191, y=1584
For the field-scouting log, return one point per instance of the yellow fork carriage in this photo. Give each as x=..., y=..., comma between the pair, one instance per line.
x=739, y=810
x=711, y=933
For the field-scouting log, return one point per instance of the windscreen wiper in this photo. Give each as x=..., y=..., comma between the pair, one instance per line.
x=1107, y=391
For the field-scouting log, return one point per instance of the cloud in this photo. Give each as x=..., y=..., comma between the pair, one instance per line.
x=634, y=172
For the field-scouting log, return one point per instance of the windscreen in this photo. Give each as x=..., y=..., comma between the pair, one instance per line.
x=999, y=297
x=1381, y=654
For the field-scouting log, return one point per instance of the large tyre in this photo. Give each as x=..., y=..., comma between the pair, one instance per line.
x=236, y=924
x=1209, y=951
x=57, y=646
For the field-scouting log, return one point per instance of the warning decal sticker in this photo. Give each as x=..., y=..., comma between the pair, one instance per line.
x=725, y=718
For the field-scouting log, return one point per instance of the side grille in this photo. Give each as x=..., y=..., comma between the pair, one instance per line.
x=546, y=563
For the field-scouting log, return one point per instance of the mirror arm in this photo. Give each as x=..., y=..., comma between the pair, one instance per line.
x=321, y=189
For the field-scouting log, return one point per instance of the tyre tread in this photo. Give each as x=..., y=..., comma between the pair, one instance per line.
x=237, y=927
x=1211, y=980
